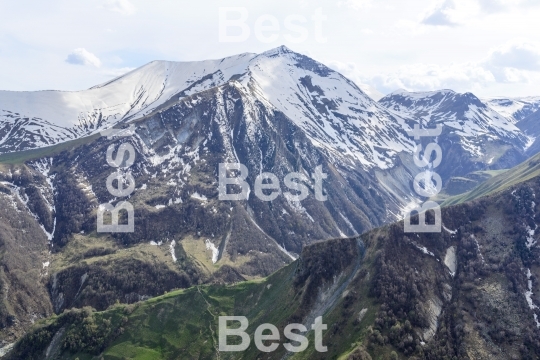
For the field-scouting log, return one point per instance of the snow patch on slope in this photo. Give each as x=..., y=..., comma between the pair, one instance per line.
x=478, y=248
x=528, y=296
x=424, y=250
x=450, y=260
x=171, y=250
x=451, y=232
x=530, y=236
x=211, y=247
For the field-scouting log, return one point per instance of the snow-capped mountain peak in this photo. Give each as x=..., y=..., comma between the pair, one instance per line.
x=331, y=109
x=335, y=113
x=41, y=118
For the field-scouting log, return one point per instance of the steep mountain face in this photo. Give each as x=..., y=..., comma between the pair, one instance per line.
x=338, y=118
x=179, y=151
x=278, y=111
x=24, y=252
x=350, y=129
x=530, y=125
x=516, y=109
x=474, y=137
x=31, y=120
x=333, y=112
x=470, y=292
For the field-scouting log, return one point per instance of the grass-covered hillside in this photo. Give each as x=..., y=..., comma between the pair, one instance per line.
x=183, y=324
x=518, y=174
x=469, y=292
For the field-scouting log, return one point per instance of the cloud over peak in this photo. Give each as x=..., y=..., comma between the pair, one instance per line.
x=356, y=4
x=81, y=56
x=521, y=55
x=458, y=12
x=517, y=62
x=441, y=15
x=123, y=7
x=451, y=13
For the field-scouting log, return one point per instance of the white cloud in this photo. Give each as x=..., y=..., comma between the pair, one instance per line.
x=81, y=56
x=117, y=72
x=423, y=77
x=458, y=12
x=33, y=62
x=493, y=6
x=441, y=15
x=413, y=27
x=350, y=71
x=520, y=54
x=123, y=7
x=451, y=13
x=356, y=4
x=512, y=75
x=515, y=62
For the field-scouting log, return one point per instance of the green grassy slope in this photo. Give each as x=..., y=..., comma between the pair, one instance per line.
x=521, y=173
x=20, y=157
x=389, y=296
x=458, y=185
x=183, y=324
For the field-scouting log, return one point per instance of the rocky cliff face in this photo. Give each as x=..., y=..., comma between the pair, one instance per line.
x=24, y=250
x=530, y=126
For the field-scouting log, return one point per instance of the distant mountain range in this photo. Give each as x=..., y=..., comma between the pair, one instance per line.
x=514, y=108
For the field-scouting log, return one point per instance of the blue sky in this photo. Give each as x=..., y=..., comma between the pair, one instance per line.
x=489, y=47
